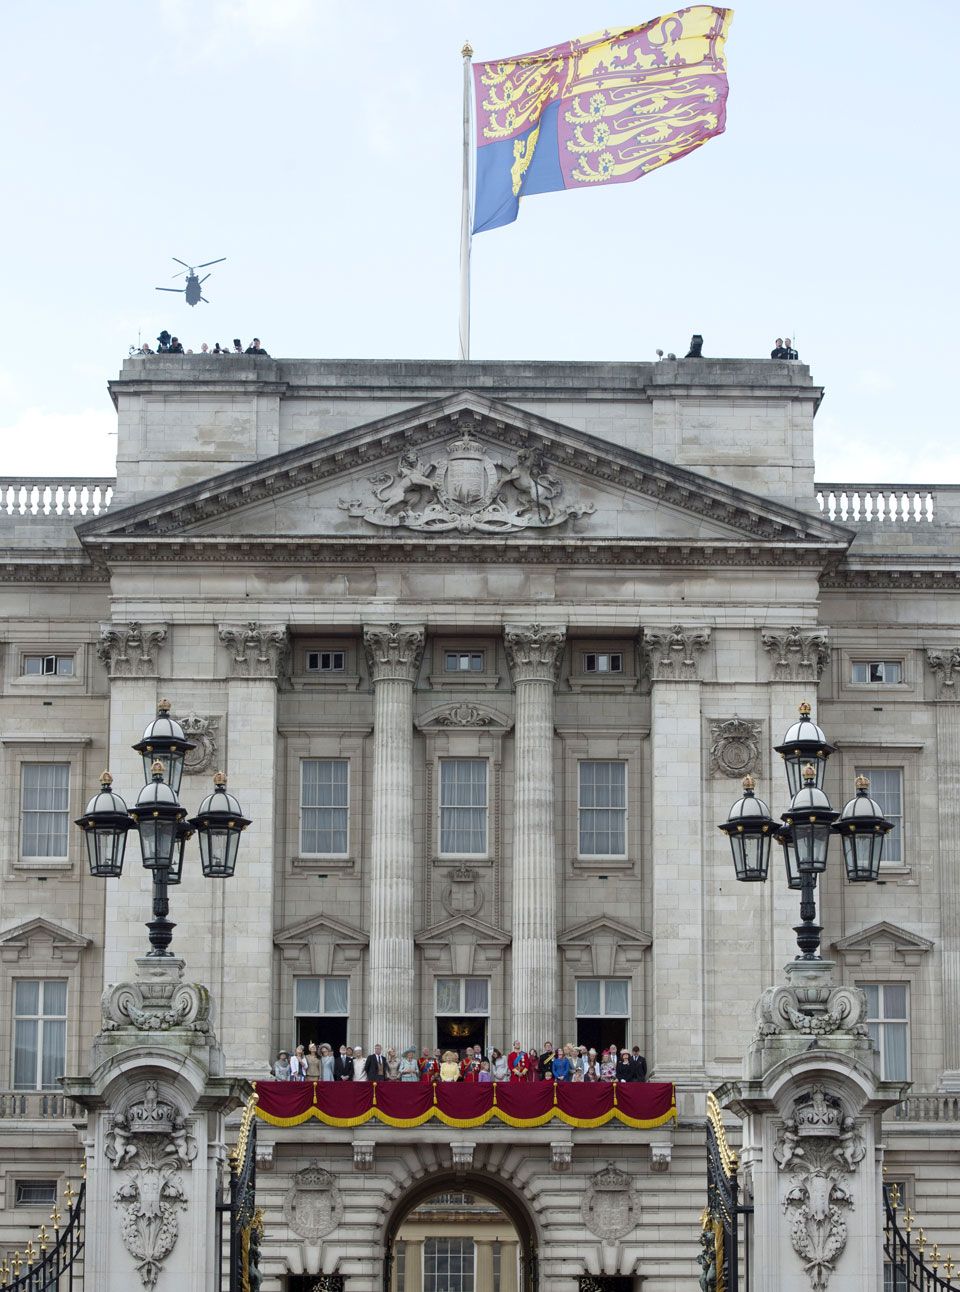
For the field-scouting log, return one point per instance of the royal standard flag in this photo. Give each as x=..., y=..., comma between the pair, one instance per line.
x=601, y=110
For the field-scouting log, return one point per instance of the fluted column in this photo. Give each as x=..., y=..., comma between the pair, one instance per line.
x=393, y=654
x=945, y=665
x=534, y=653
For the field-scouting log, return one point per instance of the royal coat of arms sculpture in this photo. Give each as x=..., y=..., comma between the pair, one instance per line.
x=470, y=491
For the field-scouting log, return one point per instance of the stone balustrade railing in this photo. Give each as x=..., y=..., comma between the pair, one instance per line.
x=24, y=496
x=927, y=1108
x=882, y=504
x=37, y=1105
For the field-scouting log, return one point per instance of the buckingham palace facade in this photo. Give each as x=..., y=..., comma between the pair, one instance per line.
x=485, y=650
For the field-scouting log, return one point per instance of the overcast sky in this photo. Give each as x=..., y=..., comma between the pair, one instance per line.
x=317, y=146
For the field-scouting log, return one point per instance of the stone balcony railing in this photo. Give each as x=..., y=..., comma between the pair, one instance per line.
x=80, y=496
x=37, y=1105
x=927, y=1108
x=870, y=505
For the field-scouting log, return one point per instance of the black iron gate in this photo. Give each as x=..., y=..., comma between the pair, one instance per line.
x=55, y=1262
x=719, y=1257
x=239, y=1206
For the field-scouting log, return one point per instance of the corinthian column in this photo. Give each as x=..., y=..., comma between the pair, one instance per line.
x=945, y=665
x=393, y=655
x=534, y=653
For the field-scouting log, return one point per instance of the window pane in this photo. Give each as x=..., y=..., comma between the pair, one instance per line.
x=324, y=803
x=27, y=997
x=335, y=995
x=463, y=805
x=886, y=786
x=603, y=790
x=308, y=996
x=36, y=1193
x=616, y=992
x=55, y=996
x=894, y=1051
x=32, y=664
x=65, y=665
x=872, y=993
x=588, y=996
x=476, y=996
x=25, y=1055
x=448, y=995
x=54, y=1052
x=45, y=802
x=895, y=1000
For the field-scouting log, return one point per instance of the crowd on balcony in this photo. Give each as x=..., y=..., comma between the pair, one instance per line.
x=563, y=1063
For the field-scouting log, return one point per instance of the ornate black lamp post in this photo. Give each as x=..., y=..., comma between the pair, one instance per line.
x=807, y=826
x=162, y=824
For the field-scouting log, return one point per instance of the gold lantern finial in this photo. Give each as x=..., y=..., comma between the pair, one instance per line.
x=749, y=784
x=163, y=706
x=804, y=708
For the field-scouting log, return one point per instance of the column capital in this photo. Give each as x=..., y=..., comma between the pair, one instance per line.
x=534, y=651
x=944, y=664
x=796, y=654
x=673, y=654
x=130, y=650
x=393, y=651
x=256, y=650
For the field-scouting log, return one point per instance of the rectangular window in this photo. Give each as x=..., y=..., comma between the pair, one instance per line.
x=886, y=786
x=448, y=1265
x=888, y=1024
x=48, y=665
x=321, y=997
x=324, y=803
x=35, y=1193
x=603, y=998
x=45, y=814
x=603, y=809
x=889, y=672
x=467, y=661
x=463, y=806
x=605, y=662
x=325, y=661
x=39, y=1033
x=463, y=996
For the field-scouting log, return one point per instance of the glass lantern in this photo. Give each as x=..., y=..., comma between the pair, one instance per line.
x=164, y=742
x=157, y=814
x=810, y=818
x=749, y=827
x=105, y=823
x=862, y=828
x=219, y=824
x=804, y=745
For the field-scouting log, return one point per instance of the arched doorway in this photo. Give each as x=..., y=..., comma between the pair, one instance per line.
x=460, y=1232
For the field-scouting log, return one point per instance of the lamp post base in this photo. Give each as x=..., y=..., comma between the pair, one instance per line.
x=161, y=935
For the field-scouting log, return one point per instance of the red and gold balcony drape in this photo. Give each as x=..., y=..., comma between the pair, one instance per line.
x=344, y=1103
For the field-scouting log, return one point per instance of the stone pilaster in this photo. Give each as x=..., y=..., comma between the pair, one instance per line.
x=129, y=652
x=945, y=666
x=672, y=659
x=393, y=652
x=534, y=653
x=242, y=965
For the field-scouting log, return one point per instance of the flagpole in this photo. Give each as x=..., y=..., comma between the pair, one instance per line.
x=465, y=213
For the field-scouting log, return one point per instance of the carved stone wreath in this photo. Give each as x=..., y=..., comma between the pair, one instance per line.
x=204, y=731
x=313, y=1206
x=735, y=746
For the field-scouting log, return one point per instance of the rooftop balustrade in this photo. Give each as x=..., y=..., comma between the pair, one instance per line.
x=80, y=497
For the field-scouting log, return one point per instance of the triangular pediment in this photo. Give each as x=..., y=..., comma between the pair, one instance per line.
x=462, y=927
x=40, y=938
x=882, y=941
x=299, y=934
x=464, y=468
x=604, y=926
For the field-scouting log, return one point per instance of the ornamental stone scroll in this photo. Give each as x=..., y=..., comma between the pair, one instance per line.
x=393, y=651
x=130, y=650
x=534, y=651
x=256, y=650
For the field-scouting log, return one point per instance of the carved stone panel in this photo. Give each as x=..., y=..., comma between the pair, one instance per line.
x=470, y=490
x=313, y=1206
x=256, y=650
x=462, y=894
x=945, y=666
x=736, y=746
x=204, y=731
x=673, y=654
x=611, y=1204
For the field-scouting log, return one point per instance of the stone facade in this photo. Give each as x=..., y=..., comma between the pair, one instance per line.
x=294, y=553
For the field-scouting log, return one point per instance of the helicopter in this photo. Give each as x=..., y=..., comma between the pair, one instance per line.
x=192, y=289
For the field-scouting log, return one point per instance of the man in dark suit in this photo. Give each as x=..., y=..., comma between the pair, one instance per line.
x=376, y=1065
x=343, y=1065
x=639, y=1064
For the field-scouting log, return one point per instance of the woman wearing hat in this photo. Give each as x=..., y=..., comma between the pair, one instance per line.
x=449, y=1068
x=326, y=1062
x=409, y=1069
x=281, y=1069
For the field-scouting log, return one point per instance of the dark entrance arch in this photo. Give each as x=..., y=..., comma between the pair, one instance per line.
x=489, y=1188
